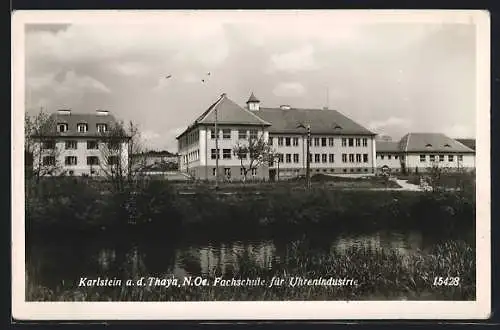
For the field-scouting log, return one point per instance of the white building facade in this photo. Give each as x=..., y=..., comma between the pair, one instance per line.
x=78, y=144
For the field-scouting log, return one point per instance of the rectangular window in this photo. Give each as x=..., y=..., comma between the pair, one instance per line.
x=82, y=128
x=92, y=160
x=351, y=158
x=280, y=141
x=358, y=158
x=389, y=157
x=288, y=158
x=212, y=134
x=242, y=135
x=382, y=157
x=324, y=157
x=70, y=160
x=295, y=158
x=49, y=144
x=365, y=158
x=101, y=128
x=213, y=154
x=460, y=158
x=358, y=142
x=70, y=145
x=270, y=141
x=316, y=142
x=323, y=142
x=351, y=142
x=280, y=158
x=441, y=158
x=226, y=153
x=92, y=145
x=113, y=145
x=242, y=171
x=432, y=158
x=295, y=141
x=395, y=156
x=214, y=171
x=254, y=172
x=227, y=172
x=113, y=160
x=310, y=158
x=226, y=134
x=253, y=134
x=330, y=142
x=49, y=160
x=450, y=158
x=344, y=142
x=344, y=158
x=422, y=158
x=62, y=127
x=316, y=158
x=287, y=141
x=331, y=158
x=365, y=142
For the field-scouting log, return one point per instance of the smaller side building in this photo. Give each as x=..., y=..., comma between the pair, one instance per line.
x=418, y=152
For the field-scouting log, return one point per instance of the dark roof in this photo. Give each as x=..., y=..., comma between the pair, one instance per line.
x=471, y=143
x=74, y=119
x=321, y=121
x=252, y=98
x=387, y=146
x=228, y=113
x=431, y=142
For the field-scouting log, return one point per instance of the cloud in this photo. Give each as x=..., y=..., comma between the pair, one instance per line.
x=459, y=131
x=70, y=84
x=290, y=89
x=390, y=123
x=131, y=68
x=301, y=59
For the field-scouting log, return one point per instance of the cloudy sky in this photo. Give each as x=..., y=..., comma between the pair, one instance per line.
x=390, y=77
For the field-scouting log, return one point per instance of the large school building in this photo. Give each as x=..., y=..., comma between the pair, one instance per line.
x=338, y=145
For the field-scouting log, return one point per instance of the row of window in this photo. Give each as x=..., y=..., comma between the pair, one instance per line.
x=191, y=156
x=82, y=127
x=320, y=142
x=389, y=157
x=227, y=172
x=73, y=160
x=432, y=158
x=72, y=145
x=242, y=135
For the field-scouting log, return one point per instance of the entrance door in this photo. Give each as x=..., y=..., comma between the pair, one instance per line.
x=272, y=174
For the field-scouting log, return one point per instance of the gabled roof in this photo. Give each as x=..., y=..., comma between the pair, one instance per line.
x=471, y=143
x=228, y=113
x=74, y=119
x=387, y=146
x=432, y=142
x=321, y=121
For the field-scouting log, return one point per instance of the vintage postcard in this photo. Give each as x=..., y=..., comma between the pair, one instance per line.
x=251, y=165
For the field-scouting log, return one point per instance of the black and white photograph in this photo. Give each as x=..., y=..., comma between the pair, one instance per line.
x=270, y=164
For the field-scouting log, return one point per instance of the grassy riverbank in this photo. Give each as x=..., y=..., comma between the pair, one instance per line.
x=380, y=276
x=68, y=206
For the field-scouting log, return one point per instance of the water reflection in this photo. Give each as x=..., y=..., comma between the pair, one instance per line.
x=55, y=263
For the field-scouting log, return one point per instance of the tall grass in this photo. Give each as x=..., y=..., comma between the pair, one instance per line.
x=380, y=275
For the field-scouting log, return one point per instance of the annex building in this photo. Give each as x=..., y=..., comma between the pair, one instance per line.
x=417, y=152
x=338, y=144
x=79, y=144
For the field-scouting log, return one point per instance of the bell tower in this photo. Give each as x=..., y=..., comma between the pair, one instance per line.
x=253, y=103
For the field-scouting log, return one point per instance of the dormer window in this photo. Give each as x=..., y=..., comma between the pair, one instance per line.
x=101, y=128
x=82, y=128
x=428, y=145
x=62, y=127
x=447, y=145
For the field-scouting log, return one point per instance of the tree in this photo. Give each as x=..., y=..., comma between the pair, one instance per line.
x=41, y=150
x=252, y=153
x=121, y=155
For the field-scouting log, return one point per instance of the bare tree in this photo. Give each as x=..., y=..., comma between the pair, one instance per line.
x=253, y=153
x=121, y=154
x=41, y=150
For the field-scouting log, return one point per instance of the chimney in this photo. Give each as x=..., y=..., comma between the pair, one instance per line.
x=100, y=112
x=285, y=107
x=64, y=112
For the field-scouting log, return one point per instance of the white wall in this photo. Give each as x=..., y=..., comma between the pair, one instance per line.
x=413, y=161
x=383, y=160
